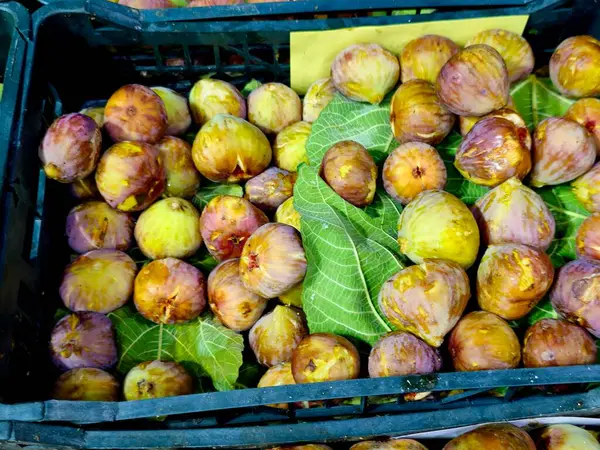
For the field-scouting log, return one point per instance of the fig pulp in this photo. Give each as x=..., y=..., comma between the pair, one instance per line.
x=178, y=113
x=271, y=188
x=498, y=436
x=86, y=384
x=586, y=112
x=587, y=189
x=210, y=97
x=317, y=97
x=287, y=214
x=587, y=241
x=575, y=67
x=279, y=375
x=289, y=149
x=182, y=177
x=424, y=57
x=274, y=106
x=566, y=437
x=157, y=379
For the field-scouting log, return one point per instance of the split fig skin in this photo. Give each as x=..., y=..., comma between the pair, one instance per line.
x=497, y=436
x=392, y=444
x=317, y=97
x=271, y=188
x=210, y=97
x=157, y=379
x=586, y=112
x=587, y=189
x=86, y=384
x=278, y=375
x=178, y=112
x=575, y=67
x=274, y=106
x=85, y=189
x=287, y=214
x=96, y=113
x=565, y=437
x=183, y=179
x=587, y=240
x=289, y=149
x=424, y=57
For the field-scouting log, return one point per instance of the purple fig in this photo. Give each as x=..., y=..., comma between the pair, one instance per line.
x=271, y=188
x=424, y=57
x=586, y=112
x=574, y=67
x=587, y=241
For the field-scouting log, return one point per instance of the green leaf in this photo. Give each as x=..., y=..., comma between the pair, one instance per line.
x=385, y=212
x=209, y=191
x=203, y=260
x=543, y=310
x=250, y=374
x=203, y=346
x=250, y=86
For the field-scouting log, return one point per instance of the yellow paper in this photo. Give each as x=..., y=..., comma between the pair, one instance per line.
x=312, y=52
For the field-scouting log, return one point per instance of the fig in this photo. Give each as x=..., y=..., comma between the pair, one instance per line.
x=513, y=213
x=350, y=171
x=131, y=176
x=305, y=446
x=509, y=113
x=178, y=113
x=586, y=241
x=553, y=342
x=317, y=97
x=273, y=260
x=96, y=113
x=426, y=299
x=226, y=224
x=85, y=188
x=278, y=375
x=83, y=339
x=94, y=225
x=392, y=444
x=562, y=151
x=274, y=106
x=493, y=151
x=587, y=189
x=576, y=294
x=586, y=112
x=514, y=49
x=365, y=72
x=228, y=149
x=325, y=357
x=287, y=214
x=271, y=188
x=566, y=437
x=399, y=353
x=424, y=57
x=293, y=297
x=512, y=279
x=483, y=341
x=274, y=336
x=436, y=224
x=147, y=4
x=157, y=379
x=575, y=67
x=182, y=177
x=235, y=306
x=412, y=168
x=210, y=97
x=497, y=436
x=289, y=149
x=86, y=384
x=99, y=281
x=474, y=82
x=417, y=114
x=135, y=113
x=196, y=3
x=169, y=228
x=71, y=148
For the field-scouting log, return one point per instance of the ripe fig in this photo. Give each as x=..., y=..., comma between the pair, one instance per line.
x=287, y=214
x=417, y=114
x=412, y=168
x=509, y=113
x=169, y=228
x=350, y=171
x=182, y=177
x=587, y=189
x=83, y=339
x=305, y=446
x=274, y=106
x=228, y=149
x=392, y=444
x=178, y=113
x=131, y=176
x=84, y=286
x=562, y=151
x=587, y=241
x=86, y=384
x=317, y=97
x=575, y=67
x=71, y=148
x=148, y=4
x=85, y=189
x=275, y=336
x=566, y=437
x=157, y=379
x=483, y=341
x=271, y=188
x=210, y=97
x=553, y=342
x=474, y=82
x=436, y=224
x=135, y=113
x=196, y=3
x=273, y=260
x=586, y=112
x=278, y=375
x=497, y=436
x=513, y=213
x=289, y=149
x=424, y=57
x=226, y=224
x=293, y=297
x=426, y=299
x=96, y=113
x=235, y=306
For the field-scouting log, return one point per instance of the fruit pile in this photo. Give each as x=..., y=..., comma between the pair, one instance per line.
x=332, y=207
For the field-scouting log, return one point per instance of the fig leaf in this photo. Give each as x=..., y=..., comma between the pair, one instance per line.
x=208, y=191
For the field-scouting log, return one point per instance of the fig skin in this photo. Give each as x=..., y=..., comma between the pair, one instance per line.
x=583, y=78
x=289, y=149
x=509, y=113
x=86, y=384
x=436, y=224
x=513, y=213
x=554, y=342
x=196, y=3
x=427, y=299
x=271, y=188
x=474, y=82
x=210, y=97
x=235, y=306
x=424, y=57
x=587, y=189
x=350, y=171
x=293, y=297
x=147, y=4
x=365, y=72
x=305, y=446
x=85, y=189
x=135, y=113
x=96, y=113
x=576, y=294
x=169, y=228
x=392, y=444
x=71, y=148
x=587, y=241
x=157, y=379
x=412, y=168
x=562, y=151
x=274, y=106
x=565, y=437
x=287, y=214
x=514, y=49
x=317, y=97
x=131, y=176
x=417, y=114
x=586, y=112
x=228, y=149
x=183, y=179
x=399, y=353
x=226, y=223
x=273, y=260
x=483, y=341
x=497, y=436
x=278, y=375
x=274, y=336
x=178, y=113
x=83, y=339
x=84, y=285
